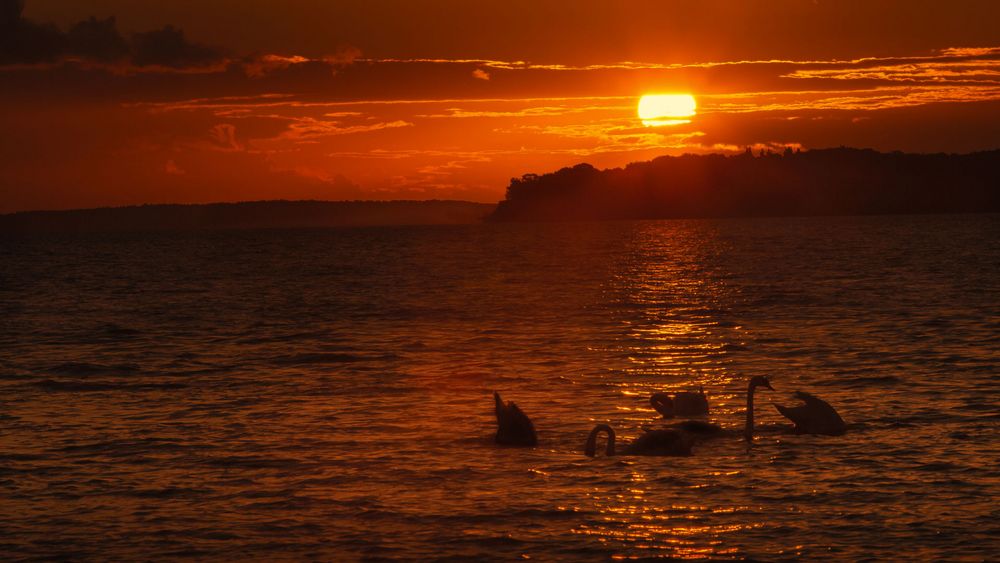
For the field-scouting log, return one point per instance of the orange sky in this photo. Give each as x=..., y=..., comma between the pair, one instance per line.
x=246, y=99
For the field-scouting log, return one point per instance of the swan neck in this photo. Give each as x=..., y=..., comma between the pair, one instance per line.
x=748, y=430
x=590, y=449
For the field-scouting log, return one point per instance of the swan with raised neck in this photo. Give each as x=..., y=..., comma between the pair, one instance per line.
x=755, y=382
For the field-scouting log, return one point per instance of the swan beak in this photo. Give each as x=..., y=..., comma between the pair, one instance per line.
x=768, y=385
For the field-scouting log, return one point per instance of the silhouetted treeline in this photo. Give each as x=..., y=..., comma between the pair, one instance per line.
x=842, y=181
x=247, y=215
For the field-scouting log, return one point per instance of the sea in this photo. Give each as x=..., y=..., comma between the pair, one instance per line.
x=327, y=395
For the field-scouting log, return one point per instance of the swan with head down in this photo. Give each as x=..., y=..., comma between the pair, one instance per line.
x=652, y=443
x=683, y=403
x=814, y=416
x=514, y=428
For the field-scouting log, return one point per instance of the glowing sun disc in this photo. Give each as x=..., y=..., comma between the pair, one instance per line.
x=666, y=109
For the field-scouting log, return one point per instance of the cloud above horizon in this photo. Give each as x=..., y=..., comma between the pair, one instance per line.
x=95, y=41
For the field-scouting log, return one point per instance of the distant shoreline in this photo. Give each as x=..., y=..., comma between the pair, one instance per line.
x=817, y=183
x=273, y=214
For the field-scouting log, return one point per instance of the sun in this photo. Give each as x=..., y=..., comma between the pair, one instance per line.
x=666, y=109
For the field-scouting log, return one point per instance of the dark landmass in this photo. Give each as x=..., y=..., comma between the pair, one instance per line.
x=842, y=181
x=247, y=215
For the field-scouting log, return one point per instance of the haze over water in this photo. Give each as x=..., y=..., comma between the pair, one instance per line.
x=326, y=394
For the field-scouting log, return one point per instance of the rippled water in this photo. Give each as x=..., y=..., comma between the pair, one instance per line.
x=327, y=394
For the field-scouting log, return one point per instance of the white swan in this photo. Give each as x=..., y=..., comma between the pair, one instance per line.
x=514, y=428
x=683, y=403
x=652, y=443
x=814, y=416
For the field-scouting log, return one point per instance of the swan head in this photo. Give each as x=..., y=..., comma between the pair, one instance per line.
x=760, y=381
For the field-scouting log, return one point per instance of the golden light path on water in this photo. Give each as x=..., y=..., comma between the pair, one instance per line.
x=676, y=345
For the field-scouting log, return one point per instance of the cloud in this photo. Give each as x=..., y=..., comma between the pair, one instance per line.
x=540, y=111
x=262, y=65
x=480, y=74
x=98, y=40
x=224, y=138
x=167, y=47
x=259, y=66
x=23, y=41
x=308, y=129
x=95, y=41
x=172, y=168
x=345, y=55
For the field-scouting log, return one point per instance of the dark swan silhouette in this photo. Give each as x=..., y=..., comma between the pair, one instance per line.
x=700, y=430
x=653, y=442
x=514, y=428
x=755, y=382
x=814, y=416
x=683, y=403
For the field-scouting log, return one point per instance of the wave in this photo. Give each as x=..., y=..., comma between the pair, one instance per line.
x=861, y=381
x=316, y=358
x=125, y=447
x=55, y=385
x=85, y=368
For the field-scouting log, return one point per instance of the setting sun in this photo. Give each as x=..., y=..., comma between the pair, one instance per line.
x=666, y=109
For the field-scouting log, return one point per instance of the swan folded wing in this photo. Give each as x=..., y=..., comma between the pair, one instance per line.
x=663, y=404
x=501, y=408
x=687, y=403
x=811, y=400
x=513, y=426
x=815, y=416
x=799, y=415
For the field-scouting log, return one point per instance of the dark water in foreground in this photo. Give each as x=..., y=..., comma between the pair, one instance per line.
x=327, y=394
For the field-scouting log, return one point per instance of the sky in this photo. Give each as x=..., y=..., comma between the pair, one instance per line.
x=117, y=102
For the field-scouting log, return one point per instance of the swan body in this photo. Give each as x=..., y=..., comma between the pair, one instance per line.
x=514, y=428
x=683, y=403
x=814, y=416
x=699, y=428
x=652, y=443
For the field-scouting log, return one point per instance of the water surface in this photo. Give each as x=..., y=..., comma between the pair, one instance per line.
x=326, y=394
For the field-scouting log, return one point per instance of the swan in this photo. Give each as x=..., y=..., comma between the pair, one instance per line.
x=755, y=382
x=814, y=416
x=653, y=442
x=514, y=428
x=698, y=430
x=684, y=403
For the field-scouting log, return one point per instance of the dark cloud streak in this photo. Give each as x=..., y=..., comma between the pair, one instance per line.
x=168, y=47
x=98, y=40
x=23, y=41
